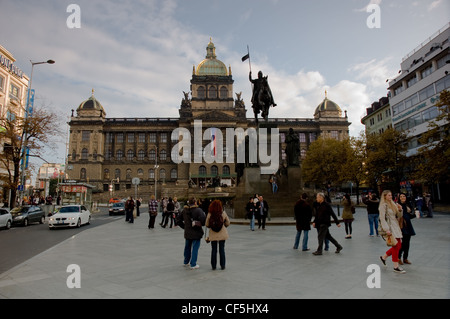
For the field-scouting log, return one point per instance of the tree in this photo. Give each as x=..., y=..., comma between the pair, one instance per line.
x=433, y=164
x=323, y=161
x=353, y=168
x=40, y=130
x=386, y=158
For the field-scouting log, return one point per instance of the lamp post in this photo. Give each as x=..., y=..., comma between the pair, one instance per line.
x=156, y=171
x=24, y=142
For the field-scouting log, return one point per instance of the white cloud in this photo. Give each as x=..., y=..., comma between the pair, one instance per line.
x=434, y=5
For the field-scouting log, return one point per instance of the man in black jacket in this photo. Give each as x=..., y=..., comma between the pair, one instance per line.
x=192, y=218
x=322, y=222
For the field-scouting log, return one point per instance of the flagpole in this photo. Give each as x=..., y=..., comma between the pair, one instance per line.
x=249, y=59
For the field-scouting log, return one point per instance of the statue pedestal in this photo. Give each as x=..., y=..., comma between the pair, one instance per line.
x=294, y=179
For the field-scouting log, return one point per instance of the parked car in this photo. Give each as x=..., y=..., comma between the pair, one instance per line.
x=117, y=208
x=5, y=218
x=70, y=216
x=24, y=215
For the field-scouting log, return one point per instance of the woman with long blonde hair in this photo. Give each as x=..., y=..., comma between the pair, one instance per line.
x=389, y=216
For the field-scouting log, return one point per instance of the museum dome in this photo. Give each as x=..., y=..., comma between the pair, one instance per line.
x=211, y=65
x=91, y=104
x=328, y=105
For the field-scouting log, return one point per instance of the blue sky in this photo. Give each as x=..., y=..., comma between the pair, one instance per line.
x=138, y=55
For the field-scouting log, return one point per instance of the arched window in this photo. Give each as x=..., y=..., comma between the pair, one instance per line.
x=106, y=174
x=151, y=173
x=214, y=170
x=163, y=155
x=84, y=154
x=83, y=174
x=202, y=171
x=226, y=170
x=201, y=93
x=212, y=92
x=152, y=155
x=128, y=176
x=223, y=92
x=140, y=172
x=141, y=155
x=130, y=155
x=119, y=155
x=162, y=173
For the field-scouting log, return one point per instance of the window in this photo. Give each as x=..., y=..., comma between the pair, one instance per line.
x=2, y=83
x=412, y=81
x=119, y=155
x=108, y=137
x=173, y=174
x=413, y=100
x=141, y=137
x=128, y=175
x=141, y=155
x=140, y=172
x=163, y=137
x=152, y=138
x=430, y=114
x=120, y=138
x=223, y=92
x=14, y=91
x=443, y=84
x=302, y=137
x=84, y=154
x=440, y=63
x=312, y=137
x=83, y=174
x=85, y=136
x=117, y=174
x=226, y=170
x=152, y=155
x=426, y=93
x=214, y=170
x=201, y=93
x=334, y=134
x=151, y=173
x=162, y=173
x=163, y=155
x=202, y=171
x=108, y=155
x=106, y=174
x=398, y=89
x=212, y=92
x=130, y=137
x=130, y=155
x=303, y=153
x=427, y=71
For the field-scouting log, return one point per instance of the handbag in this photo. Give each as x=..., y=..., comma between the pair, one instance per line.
x=207, y=237
x=391, y=241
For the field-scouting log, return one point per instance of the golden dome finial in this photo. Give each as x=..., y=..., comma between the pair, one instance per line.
x=92, y=92
x=326, y=94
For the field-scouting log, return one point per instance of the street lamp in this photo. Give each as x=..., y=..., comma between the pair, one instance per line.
x=24, y=150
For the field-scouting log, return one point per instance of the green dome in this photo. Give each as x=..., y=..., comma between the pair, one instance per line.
x=210, y=65
x=91, y=104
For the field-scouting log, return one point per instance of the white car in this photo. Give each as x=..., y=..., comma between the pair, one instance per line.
x=70, y=216
x=5, y=218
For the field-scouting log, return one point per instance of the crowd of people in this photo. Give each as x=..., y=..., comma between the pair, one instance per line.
x=389, y=217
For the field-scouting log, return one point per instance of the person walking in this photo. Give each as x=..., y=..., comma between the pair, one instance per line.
x=192, y=218
x=428, y=204
x=153, y=211
x=390, y=212
x=274, y=181
x=347, y=215
x=138, y=204
x=372, y=203
x=419, y=204
x=217, y=221
x=407, y=229
x=303, y=216
x=250, y=208
x=262, y=212
x=129, y=208
x=322, y=222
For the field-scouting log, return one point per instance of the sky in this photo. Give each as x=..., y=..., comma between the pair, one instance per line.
x=138, y=55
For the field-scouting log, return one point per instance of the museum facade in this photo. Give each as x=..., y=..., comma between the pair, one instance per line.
x=113, y=153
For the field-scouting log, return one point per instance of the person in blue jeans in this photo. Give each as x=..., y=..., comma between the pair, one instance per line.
x=373, y=214
x=303, y=216
x=192, y=218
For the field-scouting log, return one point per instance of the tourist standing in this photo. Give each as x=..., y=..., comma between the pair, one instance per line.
x=192, y=218
x=373, y=214
x=303, y=216
x=390, y=212
x=129, y=208
x=322, y=222
x=262, y=212
x=250, y=208
x=217, y=221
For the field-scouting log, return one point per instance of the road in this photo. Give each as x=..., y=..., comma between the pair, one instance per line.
x=19, y=244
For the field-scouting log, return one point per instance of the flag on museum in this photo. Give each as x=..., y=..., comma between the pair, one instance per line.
x=246, y=57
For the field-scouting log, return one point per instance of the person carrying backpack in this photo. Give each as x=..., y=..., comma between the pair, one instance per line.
x=217, y=221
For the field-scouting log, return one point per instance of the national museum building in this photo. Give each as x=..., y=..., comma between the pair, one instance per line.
x=106, y=151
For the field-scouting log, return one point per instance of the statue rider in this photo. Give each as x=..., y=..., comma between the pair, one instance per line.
x=259, y=86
